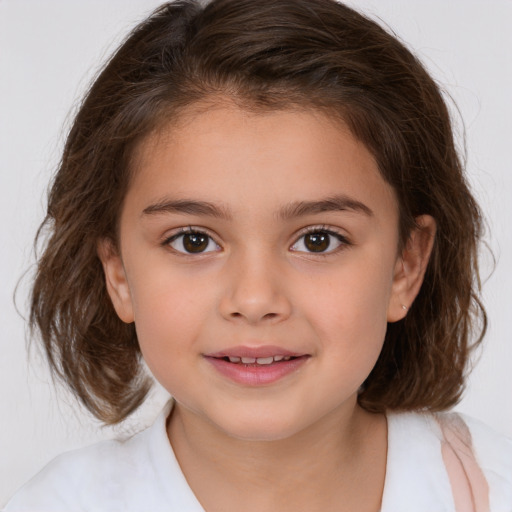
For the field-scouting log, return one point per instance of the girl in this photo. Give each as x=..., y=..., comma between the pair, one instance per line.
x=262, y=200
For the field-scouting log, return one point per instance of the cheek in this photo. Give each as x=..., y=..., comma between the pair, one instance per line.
x=360, y=292
x=350, y=313
x=169, y=314
x=352, y=345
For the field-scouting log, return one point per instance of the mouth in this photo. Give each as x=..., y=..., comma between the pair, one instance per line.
x=258, y=361
x=256, y=367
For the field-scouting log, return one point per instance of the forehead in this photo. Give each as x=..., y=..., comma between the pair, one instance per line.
x=231, y=155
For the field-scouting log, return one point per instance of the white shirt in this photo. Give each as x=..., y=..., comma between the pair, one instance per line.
x=142, y=473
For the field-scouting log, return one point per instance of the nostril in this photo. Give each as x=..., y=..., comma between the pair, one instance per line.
x=254, y=309
x=267, y=316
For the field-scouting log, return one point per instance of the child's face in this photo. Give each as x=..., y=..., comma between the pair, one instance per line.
x=293, y=251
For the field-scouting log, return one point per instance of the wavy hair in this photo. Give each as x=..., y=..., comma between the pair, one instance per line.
x=263, y=55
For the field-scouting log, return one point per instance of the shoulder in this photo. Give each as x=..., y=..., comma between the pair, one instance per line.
x=81, y=479
x=416, y=469
x=493, y=453
x=137, y=474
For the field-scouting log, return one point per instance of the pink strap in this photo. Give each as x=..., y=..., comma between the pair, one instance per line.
x=469, y=486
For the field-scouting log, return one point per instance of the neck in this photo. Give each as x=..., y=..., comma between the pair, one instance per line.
x=336, y=464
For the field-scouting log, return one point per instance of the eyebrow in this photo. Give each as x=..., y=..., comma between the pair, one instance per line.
x=188, y=207
x=337, y=203
x=295, y=209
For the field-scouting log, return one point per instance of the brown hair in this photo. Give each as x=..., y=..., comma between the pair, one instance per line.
x=264, y=55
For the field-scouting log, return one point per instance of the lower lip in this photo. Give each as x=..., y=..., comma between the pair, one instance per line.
x=256, y=375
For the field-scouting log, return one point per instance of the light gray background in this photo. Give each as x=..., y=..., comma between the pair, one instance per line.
x=49, y=50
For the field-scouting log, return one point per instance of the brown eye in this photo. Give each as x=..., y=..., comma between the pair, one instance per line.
x=317, y=242
x=321, y=241
x=193, y=242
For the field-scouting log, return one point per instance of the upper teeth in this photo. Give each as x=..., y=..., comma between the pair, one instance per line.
x=258, y=360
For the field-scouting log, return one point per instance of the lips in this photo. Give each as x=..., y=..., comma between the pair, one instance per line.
x=263, y=351
x=256, y=366
x=257, y=360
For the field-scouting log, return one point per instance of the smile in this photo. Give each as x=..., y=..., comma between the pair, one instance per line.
x=257, y=360
x=256, y=366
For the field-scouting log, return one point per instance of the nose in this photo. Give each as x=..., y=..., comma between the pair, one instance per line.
x=255, y=292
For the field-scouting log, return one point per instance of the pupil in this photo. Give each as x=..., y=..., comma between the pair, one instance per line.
x=195, y=242
x=317, y=242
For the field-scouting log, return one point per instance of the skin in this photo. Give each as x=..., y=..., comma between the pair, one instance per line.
x=257, y=283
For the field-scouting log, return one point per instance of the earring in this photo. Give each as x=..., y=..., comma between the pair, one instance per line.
x=404, y=307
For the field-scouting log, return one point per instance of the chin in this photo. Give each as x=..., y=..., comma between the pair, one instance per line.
x=262, y=429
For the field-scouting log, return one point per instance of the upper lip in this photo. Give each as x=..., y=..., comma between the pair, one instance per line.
x=261, y=351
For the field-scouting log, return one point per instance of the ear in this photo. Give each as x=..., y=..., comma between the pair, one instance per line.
x=115, y=280
x=410, y=267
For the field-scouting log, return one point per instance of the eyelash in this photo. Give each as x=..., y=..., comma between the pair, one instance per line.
x=190, y=230
x=343, y=241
